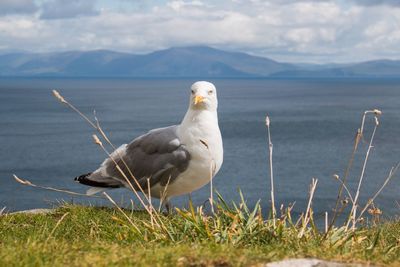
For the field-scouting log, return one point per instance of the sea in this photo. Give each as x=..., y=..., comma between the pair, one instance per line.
x=313, y=126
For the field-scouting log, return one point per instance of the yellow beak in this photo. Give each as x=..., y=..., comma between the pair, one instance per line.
x=198, y=99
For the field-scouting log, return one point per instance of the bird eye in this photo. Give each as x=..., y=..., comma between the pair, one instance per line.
x=210, y=92
x=192, y=92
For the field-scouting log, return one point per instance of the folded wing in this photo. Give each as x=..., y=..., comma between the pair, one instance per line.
x=158, y=156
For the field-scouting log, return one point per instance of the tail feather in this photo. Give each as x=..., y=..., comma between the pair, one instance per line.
x=94, y=190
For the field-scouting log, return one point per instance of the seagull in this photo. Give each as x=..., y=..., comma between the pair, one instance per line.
x=170, y=161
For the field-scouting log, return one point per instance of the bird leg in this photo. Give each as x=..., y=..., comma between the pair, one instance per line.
x=168, y=206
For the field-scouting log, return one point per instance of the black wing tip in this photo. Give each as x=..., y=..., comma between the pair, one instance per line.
x=82, y=178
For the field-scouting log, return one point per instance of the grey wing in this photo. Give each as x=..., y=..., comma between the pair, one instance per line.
x=158, y=155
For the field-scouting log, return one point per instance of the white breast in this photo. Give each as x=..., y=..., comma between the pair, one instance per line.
x=202, y=138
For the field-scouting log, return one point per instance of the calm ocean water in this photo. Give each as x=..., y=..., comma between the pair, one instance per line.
x=313, y=126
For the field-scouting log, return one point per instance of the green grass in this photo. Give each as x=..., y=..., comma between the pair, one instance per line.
x=90, y=236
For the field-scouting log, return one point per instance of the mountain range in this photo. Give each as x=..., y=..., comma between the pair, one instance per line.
x=194, y=61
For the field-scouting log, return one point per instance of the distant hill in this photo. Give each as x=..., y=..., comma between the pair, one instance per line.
x=371, y=69
x=195, y=61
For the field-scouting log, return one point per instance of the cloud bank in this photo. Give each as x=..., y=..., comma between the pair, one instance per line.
x=17, y=7
x=288, y=30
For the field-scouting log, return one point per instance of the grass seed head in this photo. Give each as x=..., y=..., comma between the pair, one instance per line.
x=97, y=140
x=21, y=181
x=267, y=121
x=375, y=211
x=377, y=112
x=59, y=97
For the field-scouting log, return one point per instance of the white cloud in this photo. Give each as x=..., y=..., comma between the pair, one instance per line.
x=377, y=2
x=378, y=29
x=179, y=4
x=317, y=31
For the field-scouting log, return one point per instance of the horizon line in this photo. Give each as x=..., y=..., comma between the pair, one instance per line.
x=192, y=46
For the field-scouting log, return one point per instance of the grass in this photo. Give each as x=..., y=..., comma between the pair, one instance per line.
x=231, y=235
x=89, y=236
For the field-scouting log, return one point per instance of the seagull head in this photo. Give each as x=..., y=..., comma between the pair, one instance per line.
x=203, y=96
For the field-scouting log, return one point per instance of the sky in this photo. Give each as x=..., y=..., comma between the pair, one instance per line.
x=309, y=31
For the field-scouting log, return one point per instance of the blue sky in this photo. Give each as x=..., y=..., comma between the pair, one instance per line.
x=318, y=31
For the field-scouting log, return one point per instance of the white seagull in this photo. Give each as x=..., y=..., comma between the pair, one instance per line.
x=174, y=160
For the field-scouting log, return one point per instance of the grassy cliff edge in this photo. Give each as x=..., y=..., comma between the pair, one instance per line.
x=88, y=236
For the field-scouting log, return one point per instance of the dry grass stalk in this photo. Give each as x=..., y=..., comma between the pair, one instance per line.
x=376, y=113
x=355, y=202
x=164, y=194
x=371, y=201
x=147, y=207
x=158, y=222
x=313, y=186
x=62, y=100
x=2, y=210
x=55, y=227
x=28, y=183
x=150, y=204
x=270, y=149
x=346, y=174
x=212, y=172
x=123, y=213
x=357, y=139
x=98, y=142
x=163, y=197
x=336, y=177
x=103, y=134
x=326, y=222
x=299, y=220
x=100, y=130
